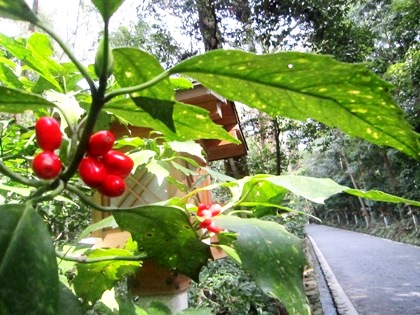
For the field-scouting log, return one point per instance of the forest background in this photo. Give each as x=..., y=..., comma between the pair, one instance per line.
x=382, y=34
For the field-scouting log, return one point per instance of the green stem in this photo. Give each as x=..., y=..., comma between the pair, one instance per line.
x=16, y=177
x=131, y=89
x=103, y=79
x=69, y=53
x=86, y=200
x=53, y=193
x=86, y=260
x=84, y=139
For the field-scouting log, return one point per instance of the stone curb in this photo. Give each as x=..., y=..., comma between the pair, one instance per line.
x=343, y=304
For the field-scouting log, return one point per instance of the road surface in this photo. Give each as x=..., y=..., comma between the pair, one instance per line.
x=379, y=276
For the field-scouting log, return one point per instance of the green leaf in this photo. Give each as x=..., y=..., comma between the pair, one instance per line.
x=160, y=169
x=381, y=196
x=301, y=86
x=28, y=268
x=107, y=7
x=133, y=67
x=42, y=50
x=311, y=188
x=18, y=101
x=167, y=236
x=262, y=192
x=180, y=83
x=93, y=279
x=190, y=147
x=17, y=10
x=277, y=265
x=69, y=303
x=159, y=109
x=108, y=222
x=191, y=122
x=142, y=157
x=31, y=59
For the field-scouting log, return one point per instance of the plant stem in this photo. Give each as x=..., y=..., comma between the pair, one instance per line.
x=51, y=195
x=136, y=88
x=69, y=53
x=18, y=178
x=86, y=200
x=86, y=260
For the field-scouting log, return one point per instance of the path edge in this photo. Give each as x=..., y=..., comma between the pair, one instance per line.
x=343, y=304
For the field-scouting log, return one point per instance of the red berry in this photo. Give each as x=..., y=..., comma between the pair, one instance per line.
x=205, y=224
x=48, y=133
x=92, y=172
x=213, y=228
x=215, y=209
x=117, y=163
x=100, y=143
x=46, y=165
x=113, y=186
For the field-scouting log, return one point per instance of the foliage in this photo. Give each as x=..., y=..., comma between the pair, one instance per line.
x=227, y=289
x=129, y=85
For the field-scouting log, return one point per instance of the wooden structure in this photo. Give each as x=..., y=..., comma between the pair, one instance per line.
x=153, y=282
x=143, y=188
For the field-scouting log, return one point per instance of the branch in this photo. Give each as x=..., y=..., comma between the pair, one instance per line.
x=69, y=53
x=131, y=89
x=86, y=200
x=16, y=177
x=86, y=260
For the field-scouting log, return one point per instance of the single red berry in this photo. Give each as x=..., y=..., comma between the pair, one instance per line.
x=204, y=213
x=205, y=224
x=113, y=186
x=48, y=133
x=215, y=209
x=118, y=163
x=100, y=143
x=214, y=228
x=46, y=165
x=92, y=172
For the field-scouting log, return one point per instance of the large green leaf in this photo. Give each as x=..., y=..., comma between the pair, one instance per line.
x=28, y=267
x=167, y=236
x=17, y=10
x=133, y=67
x=107, y=7
x=93, y=279
x=32, y=59
x=377, y=195
x=69, y=303
x=18, y=101
x=301, y=86
x=191, y=122
x=314, y=189
x=273, y=257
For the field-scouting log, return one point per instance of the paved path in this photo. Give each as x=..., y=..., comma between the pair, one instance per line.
x=380, y=277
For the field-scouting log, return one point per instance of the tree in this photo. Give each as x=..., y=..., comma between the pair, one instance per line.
x=130, y=85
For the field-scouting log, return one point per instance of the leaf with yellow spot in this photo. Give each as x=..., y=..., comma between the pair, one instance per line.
x=277, y=265
x=300, y=86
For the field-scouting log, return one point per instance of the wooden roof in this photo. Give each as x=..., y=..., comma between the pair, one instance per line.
x=222, y=112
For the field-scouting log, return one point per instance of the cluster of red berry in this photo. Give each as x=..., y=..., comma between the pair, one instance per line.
x=47, y=164
x=103, y=168
x=206, y=212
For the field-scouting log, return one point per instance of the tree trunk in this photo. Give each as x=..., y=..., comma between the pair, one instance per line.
x=391, y=173
x=35, y=5
x=212, y=39
x=356, y=186
x=208, y=24
x=277, y=140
